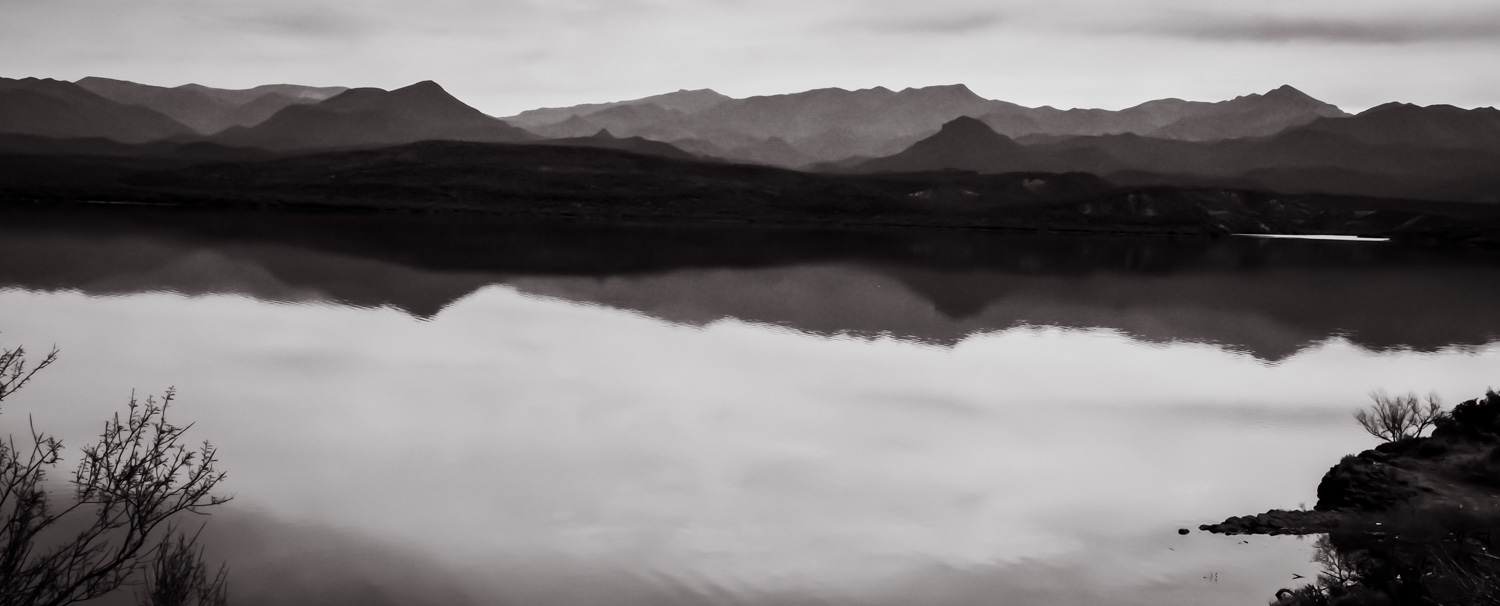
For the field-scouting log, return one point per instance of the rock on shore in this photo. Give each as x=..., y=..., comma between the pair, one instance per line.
x=1456, y=469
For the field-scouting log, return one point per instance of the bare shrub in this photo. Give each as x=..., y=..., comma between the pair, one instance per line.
x=1340, y=570
x=13, y=370
x=137, y=475
x=1396, y=418
x=179, y=577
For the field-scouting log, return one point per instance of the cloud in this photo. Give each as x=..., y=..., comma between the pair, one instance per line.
x=1483, y=26
x=299, y=22
x=956, y=23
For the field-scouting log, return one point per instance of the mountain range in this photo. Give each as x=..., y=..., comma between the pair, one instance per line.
x=1279, y=141
x=1437, y=153
x=833, y=124
x=363, y=117
x=58, y=109
x=209, y=110
x=791, y=130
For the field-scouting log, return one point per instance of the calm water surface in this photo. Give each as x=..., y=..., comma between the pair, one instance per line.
x=434, y=411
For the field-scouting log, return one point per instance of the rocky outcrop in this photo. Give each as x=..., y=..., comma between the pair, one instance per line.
x=1370, y=481
x=1457, y=469
x=1278, y=521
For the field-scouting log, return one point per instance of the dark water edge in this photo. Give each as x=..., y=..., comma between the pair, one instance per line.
x=1271, y=298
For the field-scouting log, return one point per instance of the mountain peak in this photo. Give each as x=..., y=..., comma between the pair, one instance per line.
x=35, y=80
x=1390, y=107
x=428, y=94
x=957, y=88
x=426, y=87
x=970, y=133
x=966, y=124
x=87, y=79
x=949, y=91
x=372, y=117
x=356, y=99
x=1287, y=91
x=963, y=143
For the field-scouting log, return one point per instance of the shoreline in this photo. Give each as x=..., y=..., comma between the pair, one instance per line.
x=519, y=182
x=1415, y=520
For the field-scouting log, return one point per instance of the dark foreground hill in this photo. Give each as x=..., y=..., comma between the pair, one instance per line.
x=589, y=182
x=547, y=181
x=604, y=140
x=186, y=152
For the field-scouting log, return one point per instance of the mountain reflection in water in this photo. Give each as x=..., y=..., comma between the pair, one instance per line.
x=525, y=441
x=1270, y=298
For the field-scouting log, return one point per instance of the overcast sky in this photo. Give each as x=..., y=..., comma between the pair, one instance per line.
x=504, y=56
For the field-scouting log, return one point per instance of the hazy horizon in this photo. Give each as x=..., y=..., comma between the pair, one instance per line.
x=507, y=57
x=681, y=89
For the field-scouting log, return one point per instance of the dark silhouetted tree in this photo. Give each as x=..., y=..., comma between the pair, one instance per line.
x=1395, y=418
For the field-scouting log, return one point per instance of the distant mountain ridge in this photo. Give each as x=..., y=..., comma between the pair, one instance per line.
x=1252, y=115
x=785, y=130
x=373, y=117
x=686, y=101
x=788, y=130
x=209, y=110
x=1282, y=140
x=1433, y=126
x=60, y=109
x=832, y=124
x=1249, y=116
x=1437, y=153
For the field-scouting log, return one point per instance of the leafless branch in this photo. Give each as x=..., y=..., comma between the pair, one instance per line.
x=130, y=482
x=1395, y=418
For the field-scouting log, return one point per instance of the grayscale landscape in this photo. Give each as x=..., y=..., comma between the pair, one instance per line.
x=673, y=302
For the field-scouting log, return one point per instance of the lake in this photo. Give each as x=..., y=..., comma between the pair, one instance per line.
x=453, y=410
